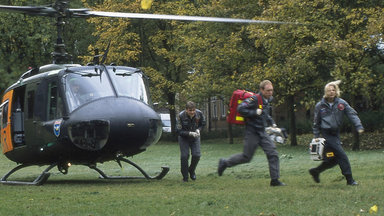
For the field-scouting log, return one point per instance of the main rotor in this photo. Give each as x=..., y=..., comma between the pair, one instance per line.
x=59, y=10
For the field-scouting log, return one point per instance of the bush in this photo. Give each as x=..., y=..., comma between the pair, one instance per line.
x=302, y=126
x=372, y=120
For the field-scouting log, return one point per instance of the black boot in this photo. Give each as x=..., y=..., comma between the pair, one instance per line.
x=192, y=167
x=350, y=180
x=184, y=169
x=315, y=174
x=222, y=166
x=276, y=182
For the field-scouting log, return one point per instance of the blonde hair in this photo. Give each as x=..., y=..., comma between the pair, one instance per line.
x=335, y=84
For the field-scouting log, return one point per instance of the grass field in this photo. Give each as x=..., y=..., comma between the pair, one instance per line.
x=242, y=190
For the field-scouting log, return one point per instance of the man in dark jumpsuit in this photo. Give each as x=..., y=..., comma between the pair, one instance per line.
x=255, y=134
x=191, y=121
x=328, y=117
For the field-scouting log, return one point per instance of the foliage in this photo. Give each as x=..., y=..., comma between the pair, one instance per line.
x=24, y=43
x=28, y=41
x=199, y=60
x=220, y=52
x=372, y=120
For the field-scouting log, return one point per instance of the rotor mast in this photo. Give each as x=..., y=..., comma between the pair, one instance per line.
x=60, y=55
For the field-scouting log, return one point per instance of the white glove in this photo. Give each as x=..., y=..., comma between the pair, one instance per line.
x=198, y=132
x=360, y=131
x=193, y=134
x=274, y=125
x=259, y=111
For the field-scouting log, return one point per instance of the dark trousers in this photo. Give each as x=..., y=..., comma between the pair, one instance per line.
x=186, y=144
x=333, y=144
x=252, y=140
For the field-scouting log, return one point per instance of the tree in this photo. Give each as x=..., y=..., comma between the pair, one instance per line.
x=152, y=45
x=329, y=46
x=220, y=53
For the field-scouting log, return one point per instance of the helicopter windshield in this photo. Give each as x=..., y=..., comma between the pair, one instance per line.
x=131, y=84
x=82, y=88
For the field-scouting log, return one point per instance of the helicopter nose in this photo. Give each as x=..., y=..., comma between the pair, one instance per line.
x=116, y=123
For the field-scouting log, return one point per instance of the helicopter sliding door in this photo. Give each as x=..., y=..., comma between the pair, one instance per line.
x=6, y=140
x=32, y=123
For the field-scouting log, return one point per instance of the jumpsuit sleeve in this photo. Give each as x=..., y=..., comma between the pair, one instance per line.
x=247, y=108
x=353, y=117
x=269, y=118
x=316, y=121
x=180, y=129
x=202, y=122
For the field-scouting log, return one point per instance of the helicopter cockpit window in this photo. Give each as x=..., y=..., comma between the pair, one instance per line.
x=131, y=85
x=83, y=89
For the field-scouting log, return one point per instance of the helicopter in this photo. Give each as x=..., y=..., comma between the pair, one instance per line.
x=64, y=114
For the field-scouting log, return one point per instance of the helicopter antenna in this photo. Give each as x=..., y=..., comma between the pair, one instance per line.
x=96, y=58
x=105, y=53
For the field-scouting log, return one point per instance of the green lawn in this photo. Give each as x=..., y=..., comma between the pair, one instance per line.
x=242, y=190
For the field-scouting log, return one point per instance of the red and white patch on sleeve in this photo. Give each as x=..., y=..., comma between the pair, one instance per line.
x=341, y=107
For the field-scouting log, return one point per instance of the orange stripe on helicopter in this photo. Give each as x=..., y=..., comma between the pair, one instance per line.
x=6, y=140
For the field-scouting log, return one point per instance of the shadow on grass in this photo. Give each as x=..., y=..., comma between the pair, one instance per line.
x=97, y=181
x=86, y=181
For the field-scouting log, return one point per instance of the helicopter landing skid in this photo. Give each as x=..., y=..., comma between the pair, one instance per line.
x=163, y=172
x=41, y=179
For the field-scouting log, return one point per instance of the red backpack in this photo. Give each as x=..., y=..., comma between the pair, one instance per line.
x=238, y=96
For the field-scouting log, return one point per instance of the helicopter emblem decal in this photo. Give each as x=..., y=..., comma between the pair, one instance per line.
x=56, y=128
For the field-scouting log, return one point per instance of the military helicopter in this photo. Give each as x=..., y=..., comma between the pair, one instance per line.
x=64, y=114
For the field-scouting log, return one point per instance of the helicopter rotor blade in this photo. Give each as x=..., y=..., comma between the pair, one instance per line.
x=60, y=10
x=181, y=18
x=31, y=10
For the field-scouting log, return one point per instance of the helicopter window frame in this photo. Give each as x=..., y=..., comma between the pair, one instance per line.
x=4, y=114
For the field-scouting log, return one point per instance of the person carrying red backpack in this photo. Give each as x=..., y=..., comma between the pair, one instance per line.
x=257, y=118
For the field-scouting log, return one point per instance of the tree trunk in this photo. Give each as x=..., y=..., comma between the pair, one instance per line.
x=209, y=117
x=292, y=120
x=172, y=113
x=230, y=133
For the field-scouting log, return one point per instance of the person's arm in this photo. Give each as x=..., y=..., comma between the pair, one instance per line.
x=269, y=118
x=248, y=108
x=352, y=115
x=316, y=121
x=180, y=129
x=202, y=121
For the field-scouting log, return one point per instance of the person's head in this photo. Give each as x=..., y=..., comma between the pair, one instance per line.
x=190, y=108
x=332, y=90
x=266, y=88
x=75, y=85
